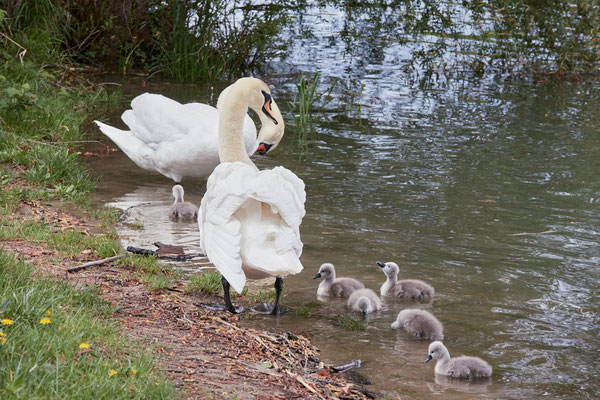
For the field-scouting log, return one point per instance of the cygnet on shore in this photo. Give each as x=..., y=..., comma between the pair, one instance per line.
x=407, y=289
x=182, y=209
x=364, y=300
x=332, y=286
x=464, y=367
x=419, y=323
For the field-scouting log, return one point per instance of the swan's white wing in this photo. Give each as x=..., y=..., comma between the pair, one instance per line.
x=251, y=219
x=157, y=119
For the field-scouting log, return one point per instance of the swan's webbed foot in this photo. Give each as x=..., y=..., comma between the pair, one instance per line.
x=266, y=308
x=233, y=310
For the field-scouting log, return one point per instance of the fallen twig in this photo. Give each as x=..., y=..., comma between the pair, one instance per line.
x=129, y=208
x=92, y=263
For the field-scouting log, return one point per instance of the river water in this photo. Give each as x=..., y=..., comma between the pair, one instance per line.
x=488, y=191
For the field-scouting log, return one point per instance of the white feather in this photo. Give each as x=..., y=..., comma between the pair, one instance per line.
x=171, y=138
x=250, y=220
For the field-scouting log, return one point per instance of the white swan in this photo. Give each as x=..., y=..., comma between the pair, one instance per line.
x=180, y=140
x=249, y=220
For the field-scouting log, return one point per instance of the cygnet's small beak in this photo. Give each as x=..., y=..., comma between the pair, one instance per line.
x=428, y=358
x=263, y=148
x=382, y=265
x=317, y=275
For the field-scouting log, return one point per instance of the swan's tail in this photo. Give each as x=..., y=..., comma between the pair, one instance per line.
x=135, y=149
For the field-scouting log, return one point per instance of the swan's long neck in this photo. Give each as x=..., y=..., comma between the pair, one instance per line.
x=392, y=278
x=441, y=366
x=231, y=124
x=178, y=194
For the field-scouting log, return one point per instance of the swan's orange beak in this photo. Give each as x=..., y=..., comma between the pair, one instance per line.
x=266, y=108
x=263, y=148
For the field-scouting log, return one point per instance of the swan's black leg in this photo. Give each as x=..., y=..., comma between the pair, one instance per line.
x=278, y=289
x=228, y=306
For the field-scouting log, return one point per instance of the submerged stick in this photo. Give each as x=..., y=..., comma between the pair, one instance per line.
x=147, y=252
x=92, y=263
x=346, y=367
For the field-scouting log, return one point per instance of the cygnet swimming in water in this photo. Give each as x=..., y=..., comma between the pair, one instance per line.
x=332, y=286
x=182, y=209
x=364, y=300
x=463, y=367
x=406, y=289
x=419, y=323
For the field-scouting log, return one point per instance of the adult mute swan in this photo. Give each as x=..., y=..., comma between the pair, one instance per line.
x=178, y=140
x=249, y=220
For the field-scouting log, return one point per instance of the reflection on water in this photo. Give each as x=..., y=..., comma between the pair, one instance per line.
x=488, y=192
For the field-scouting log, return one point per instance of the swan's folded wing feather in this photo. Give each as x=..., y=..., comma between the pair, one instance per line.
x=156, y=119
x=220, y=234
x=229, y=187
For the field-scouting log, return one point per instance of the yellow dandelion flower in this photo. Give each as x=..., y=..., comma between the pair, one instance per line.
x=84, y=346
x=7, y=321
x=2, y=340
x=112, y=372
x=2, y=334
x=49, y=313
x=157, y=383
x=134, y=371
x=45, y=321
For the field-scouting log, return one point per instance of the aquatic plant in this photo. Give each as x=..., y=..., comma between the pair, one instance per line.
x=351, y=323
x=307, y=97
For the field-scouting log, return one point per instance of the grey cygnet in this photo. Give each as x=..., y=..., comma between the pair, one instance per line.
x=332, y=286
x=407, y=289
x=182, y=209
x=420, y=323
x=464, y=367
x=364, y=300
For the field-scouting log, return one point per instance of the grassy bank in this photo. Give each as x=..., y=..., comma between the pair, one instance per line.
x=57, y=342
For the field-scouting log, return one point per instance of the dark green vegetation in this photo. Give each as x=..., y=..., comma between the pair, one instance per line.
x=57, y=342
x=192, y=40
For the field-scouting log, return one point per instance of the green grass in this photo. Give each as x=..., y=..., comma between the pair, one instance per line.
x=45, y=361
x=207, y=282
x=351, y=323
x=262, y=296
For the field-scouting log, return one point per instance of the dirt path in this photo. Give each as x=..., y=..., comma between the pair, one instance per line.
x=203, y=351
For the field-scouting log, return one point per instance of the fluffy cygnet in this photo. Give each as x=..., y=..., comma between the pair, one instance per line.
x=332, y=286
x=364, y=300
x=464, y=367
x=182, y=209
x=407, y=289
x=419, y=323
